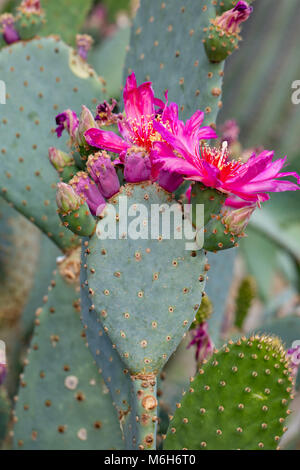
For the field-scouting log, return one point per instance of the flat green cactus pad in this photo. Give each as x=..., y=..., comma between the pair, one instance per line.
x=166, y=47
x=114, y=371
x=146, y=292
x=238, y=400
x=66, y=404
x=42, y=78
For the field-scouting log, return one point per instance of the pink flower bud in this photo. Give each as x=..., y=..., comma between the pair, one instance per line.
x=88, y=190
x=103, y=172
x=236, y=220
x=58, y=158
x=9, y=33
x=67, y=199
x=30, y=7
x=84, y=43
x=231, y=19
x=86, y=122
x=137, y=165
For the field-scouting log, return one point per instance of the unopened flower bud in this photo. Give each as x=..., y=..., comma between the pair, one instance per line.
x=30, y=18
x=84, y=43
x=30, y=6
x=224, y=5
x=59, y=159
x=237, y=220
x=223, y=34
x=137, y=165
x=88, y=190
x=7, y=28
x=86, y=122
x=67, y=199
x=103, y=172
x=231, y=19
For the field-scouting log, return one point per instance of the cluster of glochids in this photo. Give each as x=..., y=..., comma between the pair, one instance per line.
x=153, y=144
x=222, y=36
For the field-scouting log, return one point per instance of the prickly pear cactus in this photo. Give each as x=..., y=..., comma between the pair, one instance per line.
x=42, y=77
x=139, y=294
x=238, y=400
x=63, y=402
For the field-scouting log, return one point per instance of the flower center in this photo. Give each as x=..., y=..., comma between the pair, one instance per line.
x=143, y=133
x=219, y=158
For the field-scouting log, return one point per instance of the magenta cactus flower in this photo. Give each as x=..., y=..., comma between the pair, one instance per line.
x=87, y=189
x=139, y=131
x=9, y=32
x=231, y=19
x=202, y=341
x=103, y=172
x=137, y=128
x=250, y=181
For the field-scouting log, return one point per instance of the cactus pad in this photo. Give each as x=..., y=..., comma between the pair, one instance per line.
x=67, y=405
x=147, y=291
x=238, y=400
x=107, y=359
x=166, y=48
x=42, y=78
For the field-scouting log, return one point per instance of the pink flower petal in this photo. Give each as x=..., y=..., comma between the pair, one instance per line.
x=139, y=101
x=106, y=140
